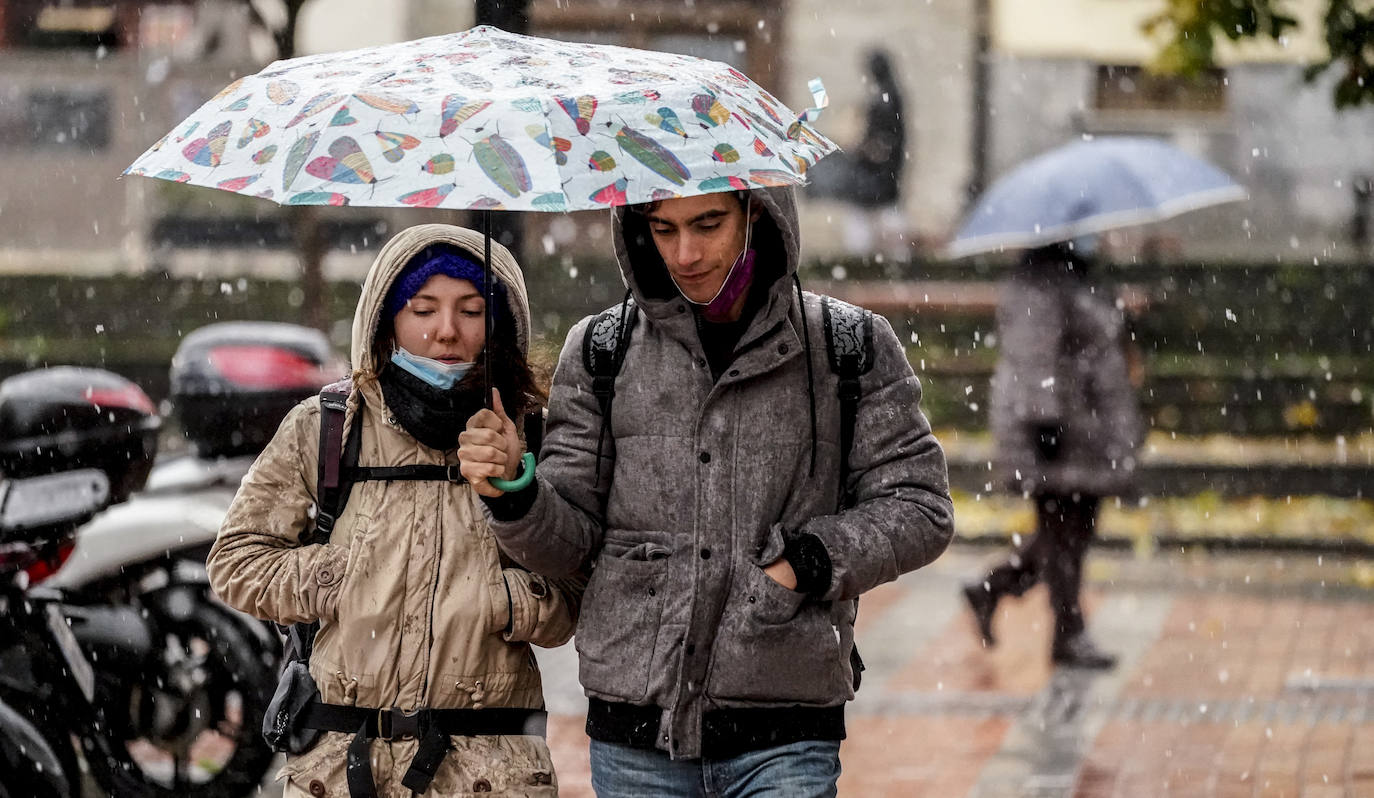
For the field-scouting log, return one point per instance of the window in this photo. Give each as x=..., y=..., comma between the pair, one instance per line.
x=52, y=24
x=55, y=118
x=1132, y=88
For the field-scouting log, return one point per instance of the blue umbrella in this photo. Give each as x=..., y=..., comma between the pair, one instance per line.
x=1090, y=186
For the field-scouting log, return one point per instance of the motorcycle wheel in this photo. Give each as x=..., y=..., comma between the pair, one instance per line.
x=190, y=725
x=23, y=773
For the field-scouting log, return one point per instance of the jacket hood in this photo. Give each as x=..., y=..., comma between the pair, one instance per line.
x=776, y=239
x=392, y=259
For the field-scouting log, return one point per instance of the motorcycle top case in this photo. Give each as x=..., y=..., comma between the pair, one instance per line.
x=64, y=418
x=233, y=382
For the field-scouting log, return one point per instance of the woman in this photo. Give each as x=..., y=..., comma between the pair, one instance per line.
x=420, y=613
x=1066, y=422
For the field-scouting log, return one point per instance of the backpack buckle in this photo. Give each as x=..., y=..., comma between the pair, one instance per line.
x=453, y=474
x=849, y=390
x=397, y=724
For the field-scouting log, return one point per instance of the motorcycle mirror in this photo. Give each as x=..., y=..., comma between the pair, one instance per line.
x=68, y=497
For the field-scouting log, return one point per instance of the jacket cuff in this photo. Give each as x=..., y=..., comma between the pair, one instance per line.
x=512, y=506
x=526, y=592
x=810, y=562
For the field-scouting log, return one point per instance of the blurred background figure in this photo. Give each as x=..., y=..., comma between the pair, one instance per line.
x=868, y=176
x=1066, y=424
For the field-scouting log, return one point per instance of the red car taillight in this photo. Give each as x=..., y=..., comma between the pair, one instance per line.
x=131, y=397
x=265, y=367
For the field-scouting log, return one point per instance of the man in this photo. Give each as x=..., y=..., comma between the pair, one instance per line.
x=716, y=633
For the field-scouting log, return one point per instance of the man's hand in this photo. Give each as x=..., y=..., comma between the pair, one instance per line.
x=489, y=447
x=780, y=571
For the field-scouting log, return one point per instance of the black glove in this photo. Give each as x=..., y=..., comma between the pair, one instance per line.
x=1047, y=438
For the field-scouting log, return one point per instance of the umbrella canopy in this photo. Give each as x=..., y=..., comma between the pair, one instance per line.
x=1090, y=186
x=486, y=119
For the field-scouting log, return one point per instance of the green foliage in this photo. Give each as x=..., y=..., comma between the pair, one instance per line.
x=1350, y=40
x=1189, y=29
x=1192, y=26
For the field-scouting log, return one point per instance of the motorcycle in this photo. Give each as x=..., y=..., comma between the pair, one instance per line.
x=180, y=680
x=37, y=518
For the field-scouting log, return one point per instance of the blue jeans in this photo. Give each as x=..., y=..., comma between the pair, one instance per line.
x=807, y=769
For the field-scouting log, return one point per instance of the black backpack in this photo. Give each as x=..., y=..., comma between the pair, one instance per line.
x=848, y=345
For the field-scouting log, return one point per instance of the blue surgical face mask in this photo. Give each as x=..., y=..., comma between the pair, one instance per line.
x=437, y=373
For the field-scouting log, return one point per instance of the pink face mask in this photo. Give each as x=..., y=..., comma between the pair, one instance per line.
x=736, y=282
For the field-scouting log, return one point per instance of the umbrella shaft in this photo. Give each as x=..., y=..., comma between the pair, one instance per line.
x=491, y=303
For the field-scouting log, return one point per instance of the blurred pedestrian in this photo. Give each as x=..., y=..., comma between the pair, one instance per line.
x=730, y=524
x=868, y=176
x=422, y=662
x=1066, y=424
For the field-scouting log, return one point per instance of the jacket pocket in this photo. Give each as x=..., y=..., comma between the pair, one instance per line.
x=619, y=624
x=324, y=762
x=345, y=562
x=499, y=765
x=774, y=644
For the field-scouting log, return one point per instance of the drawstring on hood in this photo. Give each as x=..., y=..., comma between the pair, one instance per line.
x=810, y=376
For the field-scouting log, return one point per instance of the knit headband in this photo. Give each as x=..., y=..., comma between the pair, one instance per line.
x=447, y=260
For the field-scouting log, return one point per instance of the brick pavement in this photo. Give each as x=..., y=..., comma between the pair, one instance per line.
x=1241, y=675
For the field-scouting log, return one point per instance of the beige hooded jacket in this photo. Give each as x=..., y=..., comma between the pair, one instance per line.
x=411, y=590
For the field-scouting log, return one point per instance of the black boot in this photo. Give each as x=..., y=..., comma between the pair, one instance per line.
x=1078, y=651
x=983, y=602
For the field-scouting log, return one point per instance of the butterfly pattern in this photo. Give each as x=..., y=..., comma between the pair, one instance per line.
x=489, y=119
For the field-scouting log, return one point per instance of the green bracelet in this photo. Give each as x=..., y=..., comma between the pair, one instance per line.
x=520, y=482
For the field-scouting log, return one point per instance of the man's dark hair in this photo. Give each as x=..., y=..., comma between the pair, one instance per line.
x=646, y=208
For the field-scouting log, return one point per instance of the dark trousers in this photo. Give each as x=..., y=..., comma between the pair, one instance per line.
x=1054, y=554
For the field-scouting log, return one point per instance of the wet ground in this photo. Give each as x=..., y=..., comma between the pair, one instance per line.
x=1241, y=674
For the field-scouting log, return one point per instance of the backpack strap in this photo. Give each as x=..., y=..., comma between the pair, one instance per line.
x=424, y=472
x=338, y=467
x=604, y=345
x=849, y=346
x=335, y=458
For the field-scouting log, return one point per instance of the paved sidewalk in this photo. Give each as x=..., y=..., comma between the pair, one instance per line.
x=1241, y=675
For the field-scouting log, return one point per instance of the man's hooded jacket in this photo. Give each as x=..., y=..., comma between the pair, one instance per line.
x=704, y=481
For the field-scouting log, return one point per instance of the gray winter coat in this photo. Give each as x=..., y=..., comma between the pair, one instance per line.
x=703, y=483
x=1063, y=363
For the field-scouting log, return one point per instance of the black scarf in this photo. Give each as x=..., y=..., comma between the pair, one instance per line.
x=431, y=415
